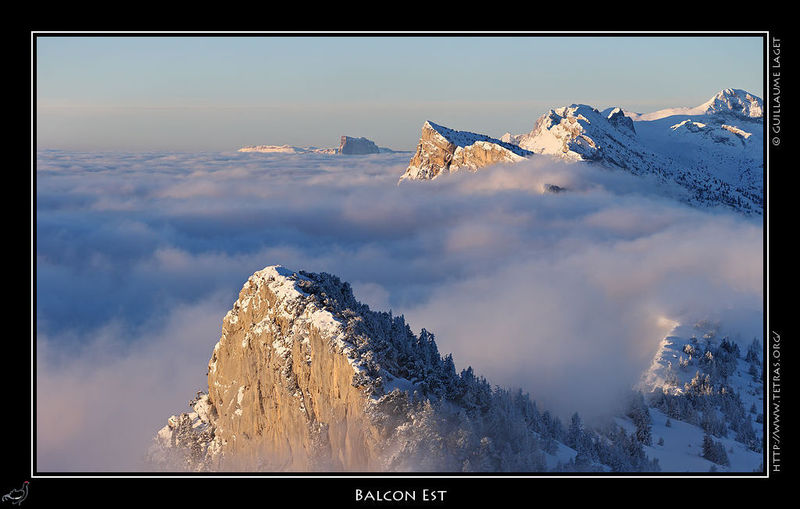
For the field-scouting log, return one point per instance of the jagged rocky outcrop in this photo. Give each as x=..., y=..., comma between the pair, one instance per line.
x=443, y=150
x=616, y=117
x=357, y=146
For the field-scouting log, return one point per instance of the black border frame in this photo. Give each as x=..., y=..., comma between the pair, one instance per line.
x=340, y=486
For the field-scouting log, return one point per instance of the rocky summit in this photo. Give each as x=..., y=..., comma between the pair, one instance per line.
x=443, y=150
x=306, y=378
x=287, y=388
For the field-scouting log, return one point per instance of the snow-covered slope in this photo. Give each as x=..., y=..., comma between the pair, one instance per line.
x=714, y=150
x=581, y=133
x=701, y=388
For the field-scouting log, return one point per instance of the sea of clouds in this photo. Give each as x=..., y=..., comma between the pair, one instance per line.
x=140, y=255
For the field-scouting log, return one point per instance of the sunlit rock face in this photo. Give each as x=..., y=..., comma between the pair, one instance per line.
x=443, y=150
x=286, y=389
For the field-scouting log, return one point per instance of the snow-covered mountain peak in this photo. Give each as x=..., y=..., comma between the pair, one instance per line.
x=618, y=119
x=729, y=101
x=736, y=101
x=582, y=111
x=713, y=150
x=579, y=132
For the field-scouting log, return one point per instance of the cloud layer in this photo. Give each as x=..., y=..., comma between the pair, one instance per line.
x=566, y=295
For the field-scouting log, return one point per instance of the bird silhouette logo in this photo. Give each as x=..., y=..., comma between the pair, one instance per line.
x=17, y=496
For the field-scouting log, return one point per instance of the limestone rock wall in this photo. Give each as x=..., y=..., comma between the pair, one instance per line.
x=283, y=391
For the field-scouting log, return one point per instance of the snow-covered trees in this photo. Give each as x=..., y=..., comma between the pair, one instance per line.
x=753, y=355
x=493, y=429
x=671, y=378
x=454, y=421
x=714, y=451
x=575, y=431
x=710, y=399
x=640, y=415
x=622, y=452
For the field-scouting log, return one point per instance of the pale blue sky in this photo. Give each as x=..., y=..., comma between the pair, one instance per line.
x=219, y=93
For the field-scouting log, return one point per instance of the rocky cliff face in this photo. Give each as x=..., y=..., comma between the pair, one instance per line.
x=443, y=150
x=282, y=382
x=288, y=389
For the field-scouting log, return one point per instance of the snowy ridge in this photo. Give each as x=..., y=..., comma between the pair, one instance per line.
x=722, y=133
x=466, y=138
x=727, y=101
x=442, y=150
x=714, y=151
